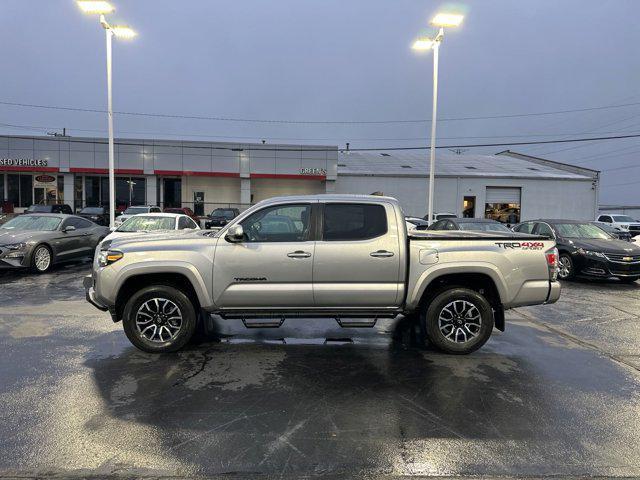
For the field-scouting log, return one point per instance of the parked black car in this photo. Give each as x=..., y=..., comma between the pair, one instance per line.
x=220, y=217
x=99, y=215
x=615, y=232
x=587, y=250
x=474, y=224
x=56, y=208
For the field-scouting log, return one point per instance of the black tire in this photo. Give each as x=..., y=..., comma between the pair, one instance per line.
x=173, y=295
x=36, y=266
x=458, y=342
x=569, y=264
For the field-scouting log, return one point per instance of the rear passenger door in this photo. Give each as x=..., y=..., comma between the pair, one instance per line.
x=357, y=257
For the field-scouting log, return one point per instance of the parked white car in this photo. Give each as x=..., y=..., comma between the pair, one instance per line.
x=624, y=222
x=153, y=222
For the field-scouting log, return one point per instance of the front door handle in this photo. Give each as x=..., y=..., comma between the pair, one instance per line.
x=381, y=253
x=298, y=254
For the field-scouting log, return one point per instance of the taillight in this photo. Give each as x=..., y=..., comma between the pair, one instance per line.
x=552, y=263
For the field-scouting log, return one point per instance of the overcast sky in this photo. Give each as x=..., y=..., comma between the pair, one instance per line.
x=337, y=60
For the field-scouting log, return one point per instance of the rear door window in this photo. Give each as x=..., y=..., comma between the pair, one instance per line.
x=353, y=221
x=524, y=228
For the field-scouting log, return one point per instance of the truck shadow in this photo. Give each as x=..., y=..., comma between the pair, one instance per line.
x=262, y=408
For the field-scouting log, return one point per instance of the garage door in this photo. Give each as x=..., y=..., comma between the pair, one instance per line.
x=503, y=195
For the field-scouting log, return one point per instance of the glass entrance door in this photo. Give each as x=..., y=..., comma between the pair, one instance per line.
x=172, y=192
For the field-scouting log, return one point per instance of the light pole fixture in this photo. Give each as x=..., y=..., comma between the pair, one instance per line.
x=441, y=20
x=98, y=7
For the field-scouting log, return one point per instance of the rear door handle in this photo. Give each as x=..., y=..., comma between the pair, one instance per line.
x=382, y=253
x=298, y=254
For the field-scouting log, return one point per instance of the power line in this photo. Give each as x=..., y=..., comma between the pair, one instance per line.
x=341, y=139
x=317, y=122
x=262, y=148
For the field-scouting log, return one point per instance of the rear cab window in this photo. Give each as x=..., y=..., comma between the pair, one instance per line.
x=353, y=221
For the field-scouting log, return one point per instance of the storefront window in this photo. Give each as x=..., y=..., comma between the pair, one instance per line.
x=92, y=191
x=1, y=188
x=503, y=212
x=20, y=190
x=13, y=189
x=129, y=191
x=77, y=192
x=60, y=189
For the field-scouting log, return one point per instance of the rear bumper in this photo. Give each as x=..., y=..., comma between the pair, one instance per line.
x=554, y=292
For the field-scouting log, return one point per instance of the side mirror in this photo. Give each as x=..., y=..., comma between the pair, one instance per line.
x=235, y=234
x=68, y=229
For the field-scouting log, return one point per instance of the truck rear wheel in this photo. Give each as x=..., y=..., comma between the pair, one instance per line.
x=458, y=321
x=159, y=318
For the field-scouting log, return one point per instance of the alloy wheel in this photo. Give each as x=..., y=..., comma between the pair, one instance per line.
x=42, y=259
x=564, y=267
x=460, y=321
x=159, y=320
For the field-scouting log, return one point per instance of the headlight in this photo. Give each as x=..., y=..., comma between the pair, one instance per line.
x=626, y=227
x=590, y=253
x=15, y=246
x=107, y=257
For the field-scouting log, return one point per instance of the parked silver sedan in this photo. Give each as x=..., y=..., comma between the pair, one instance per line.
x=39, y=240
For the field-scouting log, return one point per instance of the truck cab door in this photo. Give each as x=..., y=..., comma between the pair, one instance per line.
x=272, y=265
x=357, y=257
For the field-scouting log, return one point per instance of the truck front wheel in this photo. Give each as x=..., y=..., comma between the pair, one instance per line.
x=159, y=318
x=458, y=321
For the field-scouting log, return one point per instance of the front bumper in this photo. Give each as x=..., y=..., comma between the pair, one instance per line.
x=600, y=267
x=214, y=224
x=12, y=262
x=90, y=293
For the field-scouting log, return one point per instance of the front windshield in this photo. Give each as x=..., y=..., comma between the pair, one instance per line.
x=39, y=209
x=92, y=210
x=136, y=210
x=142, y=223
x=484, y=227
x=32, y=222
x=224, y=213
x=580, y=230
x=622, y=218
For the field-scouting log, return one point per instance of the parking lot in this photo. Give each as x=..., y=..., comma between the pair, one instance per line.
x=556, y=394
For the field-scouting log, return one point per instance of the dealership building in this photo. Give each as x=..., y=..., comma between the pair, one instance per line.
x=207, y=175
x=508, y=186
x=199, y=175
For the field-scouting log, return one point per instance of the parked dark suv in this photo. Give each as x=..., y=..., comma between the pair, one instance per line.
x=220, y=217
x=56, y=208
x=99, y=215
x=587, y=250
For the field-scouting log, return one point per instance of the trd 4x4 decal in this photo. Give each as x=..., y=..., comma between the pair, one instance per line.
x=521, y=245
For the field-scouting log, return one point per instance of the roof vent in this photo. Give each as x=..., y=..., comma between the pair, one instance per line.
x=385, y=154
x=471, y=168
x=407, y=166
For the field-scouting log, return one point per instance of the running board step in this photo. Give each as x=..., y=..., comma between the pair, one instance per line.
x=356, y=322
x=263, y=322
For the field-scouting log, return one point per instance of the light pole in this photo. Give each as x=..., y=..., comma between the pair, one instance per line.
x=102, y=8
x=441, y=20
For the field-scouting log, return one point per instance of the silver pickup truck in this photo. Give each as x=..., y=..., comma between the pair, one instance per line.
x=346, y=258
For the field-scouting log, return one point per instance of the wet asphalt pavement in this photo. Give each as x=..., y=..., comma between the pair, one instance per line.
x=557, y=394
